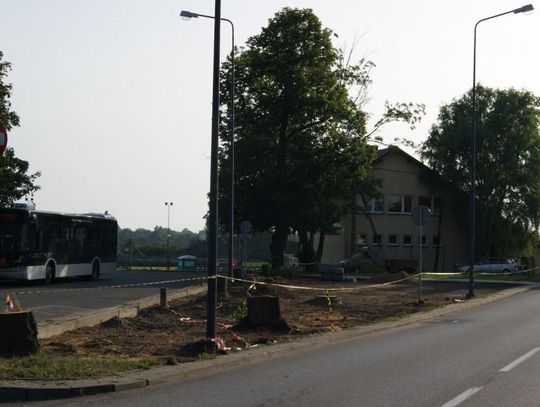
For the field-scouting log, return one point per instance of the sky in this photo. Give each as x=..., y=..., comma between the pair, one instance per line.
x=115, y=96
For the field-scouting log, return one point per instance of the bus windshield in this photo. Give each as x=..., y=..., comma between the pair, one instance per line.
x=11, y=232
x=10, y=238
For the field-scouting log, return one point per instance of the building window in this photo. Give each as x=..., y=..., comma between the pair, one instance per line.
x=436, y=241
x=371, y=204
x=399, y=203
x=407, y=240
x=377, y=239
x=393, y=240
x=422, y=240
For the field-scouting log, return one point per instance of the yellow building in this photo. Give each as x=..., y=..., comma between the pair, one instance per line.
x=384, y=228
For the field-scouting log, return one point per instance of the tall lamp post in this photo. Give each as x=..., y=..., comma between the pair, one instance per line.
x=213, y=205
x=168, y=205
x=524, y=9
x=188, y=15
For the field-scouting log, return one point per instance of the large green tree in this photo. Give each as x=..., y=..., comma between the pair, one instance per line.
x=15, y=182
x=508, y=164
x=300, y=138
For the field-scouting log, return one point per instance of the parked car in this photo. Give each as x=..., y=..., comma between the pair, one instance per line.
x=491, y=265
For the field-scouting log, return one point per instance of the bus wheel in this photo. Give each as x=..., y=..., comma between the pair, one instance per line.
x=95, y=270
x=49, y=272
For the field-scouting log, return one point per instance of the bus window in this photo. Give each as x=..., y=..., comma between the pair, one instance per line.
x=33, y=237
x=80, y=235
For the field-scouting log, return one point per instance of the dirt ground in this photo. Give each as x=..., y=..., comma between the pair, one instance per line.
x=174, y=334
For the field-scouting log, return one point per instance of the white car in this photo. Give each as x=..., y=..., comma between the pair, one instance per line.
x=491, y=265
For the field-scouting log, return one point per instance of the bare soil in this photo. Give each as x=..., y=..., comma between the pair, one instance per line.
x=174, y=335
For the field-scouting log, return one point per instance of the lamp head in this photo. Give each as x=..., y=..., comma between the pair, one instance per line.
x=188, y=15
x=524, y=9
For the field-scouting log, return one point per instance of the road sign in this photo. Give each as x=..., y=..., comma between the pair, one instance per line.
x=421, y=215
x=3, y=139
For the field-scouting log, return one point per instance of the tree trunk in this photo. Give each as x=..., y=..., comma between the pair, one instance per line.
x=277, y=246
x=320, y=247
x=306, y=255
x=263, y=310
x=18, y=334
x=438, y=248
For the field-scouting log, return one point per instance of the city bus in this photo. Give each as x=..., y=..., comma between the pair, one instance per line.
x=38, y=245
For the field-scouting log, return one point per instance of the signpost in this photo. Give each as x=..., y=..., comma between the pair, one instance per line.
x=420, y=216
x=3, y=139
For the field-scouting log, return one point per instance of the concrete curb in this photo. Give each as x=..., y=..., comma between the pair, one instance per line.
x=58, y=326
x=19, y=390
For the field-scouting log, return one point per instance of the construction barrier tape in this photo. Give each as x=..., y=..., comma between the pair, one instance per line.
x=180, y=280
x=254, y=282
x=296, y=287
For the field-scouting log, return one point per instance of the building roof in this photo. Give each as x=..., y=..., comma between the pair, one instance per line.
x=381, y=153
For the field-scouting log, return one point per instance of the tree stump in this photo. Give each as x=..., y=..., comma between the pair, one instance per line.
x=263, y=310
x=18, y=334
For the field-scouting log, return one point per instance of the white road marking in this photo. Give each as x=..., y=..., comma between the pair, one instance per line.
x=456, y=401
x=519, y=360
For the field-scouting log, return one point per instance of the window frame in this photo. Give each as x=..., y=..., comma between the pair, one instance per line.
x=404, y=244
x=404, y=205
x=396, y=244
x=372, y=204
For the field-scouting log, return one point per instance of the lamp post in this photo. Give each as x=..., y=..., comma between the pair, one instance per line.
x=189, y=15
x=213, y=204
x=524, y=9
x=168, y=205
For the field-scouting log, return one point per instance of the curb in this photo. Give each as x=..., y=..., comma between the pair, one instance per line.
x=51, y=391
x=19, y=390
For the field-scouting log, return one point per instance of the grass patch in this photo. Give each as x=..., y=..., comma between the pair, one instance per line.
x=394, y=318
x=44, y=366
x=207, y=355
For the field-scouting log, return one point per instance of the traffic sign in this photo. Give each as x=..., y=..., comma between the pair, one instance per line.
x=421, y=215
x=3, y=139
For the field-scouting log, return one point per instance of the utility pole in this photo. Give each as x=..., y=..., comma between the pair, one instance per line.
x=168, y=205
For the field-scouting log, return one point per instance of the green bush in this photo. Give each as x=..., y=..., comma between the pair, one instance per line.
x=241, y=313
x=265, y=269
x=363, y=263
x=288, y=272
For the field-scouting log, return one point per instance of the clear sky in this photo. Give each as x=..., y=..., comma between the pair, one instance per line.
x=115, y=95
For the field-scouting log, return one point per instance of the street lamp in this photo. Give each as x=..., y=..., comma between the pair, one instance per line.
x=187, y=15
x=524, y=9
x=213, y=204
x=168, y=205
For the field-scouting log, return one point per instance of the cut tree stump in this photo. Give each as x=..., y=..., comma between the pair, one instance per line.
x=263, y=310
x=18, y=334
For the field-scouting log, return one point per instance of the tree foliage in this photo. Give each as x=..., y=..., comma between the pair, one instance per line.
x=15, y=182
x=300, y=137
x=508, y=164
x=7, y=117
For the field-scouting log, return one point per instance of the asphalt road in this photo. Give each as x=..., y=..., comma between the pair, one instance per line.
x=487, y=356
x=67, y=296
